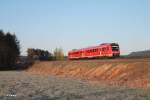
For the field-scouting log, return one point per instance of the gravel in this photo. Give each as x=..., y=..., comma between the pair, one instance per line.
x=20, y=85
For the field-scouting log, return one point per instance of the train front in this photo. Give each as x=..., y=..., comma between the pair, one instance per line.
x=115, y=50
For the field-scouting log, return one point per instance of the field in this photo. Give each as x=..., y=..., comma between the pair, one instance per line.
x=118, y=79
x=16, y=85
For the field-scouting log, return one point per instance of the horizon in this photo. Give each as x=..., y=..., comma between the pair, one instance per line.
x=77, y=24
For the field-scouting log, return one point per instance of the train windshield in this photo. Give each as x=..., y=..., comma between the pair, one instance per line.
x=115, y=47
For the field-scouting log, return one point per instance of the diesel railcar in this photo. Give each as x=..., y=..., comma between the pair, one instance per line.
x=99, y=51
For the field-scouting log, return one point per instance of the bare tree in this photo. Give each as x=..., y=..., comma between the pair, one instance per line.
x=58, y=54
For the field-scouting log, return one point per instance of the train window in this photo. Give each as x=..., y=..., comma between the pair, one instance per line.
x=107, y=48
x=95, y=50
x=103, y=49
x=75, y=53
x=88, y=51
x=115, y=48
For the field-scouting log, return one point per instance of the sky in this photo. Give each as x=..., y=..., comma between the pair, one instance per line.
x=73, y=24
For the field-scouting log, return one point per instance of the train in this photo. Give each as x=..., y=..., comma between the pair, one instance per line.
x=104, y=50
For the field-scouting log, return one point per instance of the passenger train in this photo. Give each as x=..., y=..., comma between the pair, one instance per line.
x=110, y=50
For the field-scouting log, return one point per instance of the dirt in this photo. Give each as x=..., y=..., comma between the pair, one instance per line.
x=21, y=85
x=133, y=73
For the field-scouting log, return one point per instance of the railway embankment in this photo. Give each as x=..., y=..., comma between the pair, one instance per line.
x=133, y=73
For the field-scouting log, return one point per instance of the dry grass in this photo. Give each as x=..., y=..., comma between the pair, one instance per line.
x=127, y=72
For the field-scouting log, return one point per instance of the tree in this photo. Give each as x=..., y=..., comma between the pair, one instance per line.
x=58, y=54
x=9, y=49
x=38, y=54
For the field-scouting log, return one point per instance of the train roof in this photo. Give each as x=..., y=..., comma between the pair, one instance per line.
x=103, y=44
x=109, y=44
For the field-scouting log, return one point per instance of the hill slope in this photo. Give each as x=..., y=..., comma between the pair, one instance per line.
x=140, y=54
x=132, y=73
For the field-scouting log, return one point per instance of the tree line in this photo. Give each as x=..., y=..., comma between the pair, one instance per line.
x=39, y=54
x=9, y=49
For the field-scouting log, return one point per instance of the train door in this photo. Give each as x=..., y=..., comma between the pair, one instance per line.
x=82, y=54
x=105, y=51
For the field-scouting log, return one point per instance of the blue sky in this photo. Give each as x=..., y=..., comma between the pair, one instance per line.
x=71, y=24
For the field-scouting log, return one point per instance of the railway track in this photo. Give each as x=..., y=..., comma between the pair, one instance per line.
x=113, y=60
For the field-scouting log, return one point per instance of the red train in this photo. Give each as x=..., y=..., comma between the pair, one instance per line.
x=102, y=50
